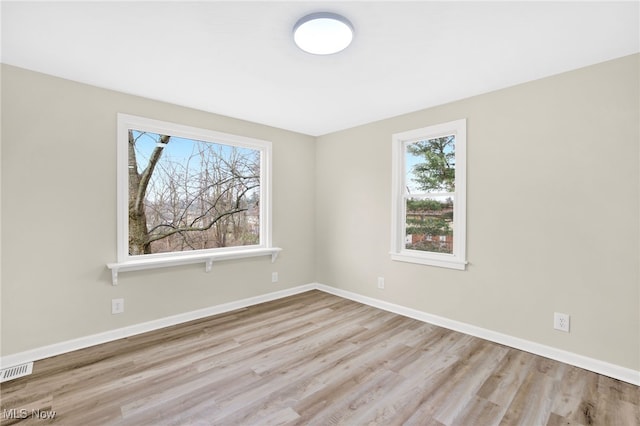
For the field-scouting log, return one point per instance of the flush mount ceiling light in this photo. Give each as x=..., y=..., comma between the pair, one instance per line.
x=323, y=33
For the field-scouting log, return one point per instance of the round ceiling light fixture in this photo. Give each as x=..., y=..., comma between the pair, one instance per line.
x=323, y=33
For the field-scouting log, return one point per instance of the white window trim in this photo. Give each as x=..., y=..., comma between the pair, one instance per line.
x=159, y=260
x=456, y=260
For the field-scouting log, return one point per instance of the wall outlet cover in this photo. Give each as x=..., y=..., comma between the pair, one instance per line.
x=117, y=306
x=561, y=321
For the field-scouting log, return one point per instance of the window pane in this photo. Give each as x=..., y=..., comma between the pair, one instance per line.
x=429, y=224
x=431, y=165
x=188, y=195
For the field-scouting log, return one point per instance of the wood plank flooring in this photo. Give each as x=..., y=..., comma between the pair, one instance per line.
x=312, y=359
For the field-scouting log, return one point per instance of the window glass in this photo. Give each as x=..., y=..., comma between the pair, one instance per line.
x=198, y=195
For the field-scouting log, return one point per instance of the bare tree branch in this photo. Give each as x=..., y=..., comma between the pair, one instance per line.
x=175, y=230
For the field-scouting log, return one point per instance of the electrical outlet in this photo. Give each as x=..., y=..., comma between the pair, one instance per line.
x=381, y=282
x=117, y=306
x=561, y=322
x=274, y=277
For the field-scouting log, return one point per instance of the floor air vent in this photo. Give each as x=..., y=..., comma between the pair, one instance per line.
x=11, y=373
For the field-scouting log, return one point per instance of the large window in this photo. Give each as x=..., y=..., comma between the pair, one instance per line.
x=188, y=193
x=429, y=214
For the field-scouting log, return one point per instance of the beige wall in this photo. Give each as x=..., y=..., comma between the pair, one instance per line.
x=553, y=216
x=59, y=216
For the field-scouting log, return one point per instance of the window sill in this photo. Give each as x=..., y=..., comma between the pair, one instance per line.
x=431, y=261
x=175, y=260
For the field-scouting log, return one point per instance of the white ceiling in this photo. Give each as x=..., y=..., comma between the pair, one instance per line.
x=238, y=58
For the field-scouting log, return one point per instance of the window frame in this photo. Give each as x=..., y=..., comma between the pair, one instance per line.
x=457, y=259
x=134, y=262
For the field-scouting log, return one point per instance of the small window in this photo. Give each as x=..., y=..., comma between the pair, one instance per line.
x=429, y=195
x=184, y=190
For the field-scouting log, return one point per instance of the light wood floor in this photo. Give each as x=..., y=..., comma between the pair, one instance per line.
x=314, y=359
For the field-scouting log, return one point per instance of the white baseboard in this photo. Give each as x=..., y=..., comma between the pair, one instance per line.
x=120, y=333
x=597, y=366
x=601, y=367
